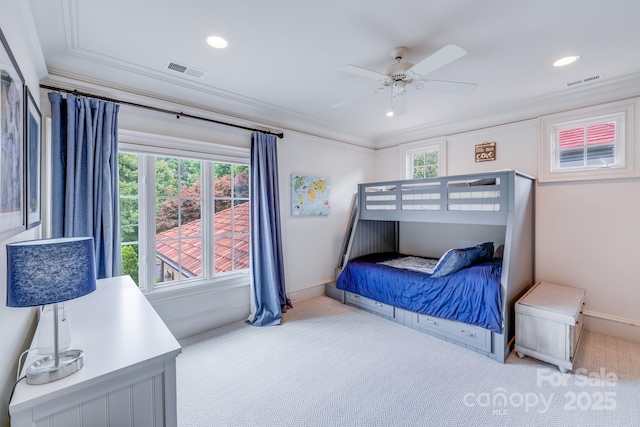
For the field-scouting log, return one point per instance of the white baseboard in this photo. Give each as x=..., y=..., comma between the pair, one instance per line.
x=307, y=292
x=184, y=320
x=620, y=327
x=205, y=321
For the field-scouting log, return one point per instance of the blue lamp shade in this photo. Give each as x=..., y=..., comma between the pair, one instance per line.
x=49, y=271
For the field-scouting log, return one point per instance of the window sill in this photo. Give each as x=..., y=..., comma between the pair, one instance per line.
x=594, y=174
x=169, y=292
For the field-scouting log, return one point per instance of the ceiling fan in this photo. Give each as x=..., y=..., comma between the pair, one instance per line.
x=400, y=75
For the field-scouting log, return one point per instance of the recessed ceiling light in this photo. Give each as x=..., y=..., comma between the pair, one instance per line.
x=390, y=114
x=217, y=42
x=566, y=60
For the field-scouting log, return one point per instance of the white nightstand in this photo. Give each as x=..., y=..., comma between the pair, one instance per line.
x=549, y=323
x=129, y=376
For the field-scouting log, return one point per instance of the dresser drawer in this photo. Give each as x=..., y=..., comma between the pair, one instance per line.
x=369, y=304
x=471, y=335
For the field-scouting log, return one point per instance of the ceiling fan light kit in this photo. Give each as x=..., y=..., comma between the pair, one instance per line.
x=402, y=74
x=399, y=88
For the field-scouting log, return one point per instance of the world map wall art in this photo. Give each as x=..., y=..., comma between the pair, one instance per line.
x=309, y=195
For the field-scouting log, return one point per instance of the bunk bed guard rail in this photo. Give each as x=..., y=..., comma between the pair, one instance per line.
x=477, y=199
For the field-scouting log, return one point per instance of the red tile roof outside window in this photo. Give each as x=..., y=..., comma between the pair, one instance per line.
x=230, y=252
x=596, y=134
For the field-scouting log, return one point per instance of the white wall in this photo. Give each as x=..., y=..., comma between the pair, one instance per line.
x=516, y=149
x=16, y=324
x=587, y=233
x=312, y=244
x=387, y=165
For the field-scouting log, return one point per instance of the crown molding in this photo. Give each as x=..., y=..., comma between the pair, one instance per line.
x=23, y=10
x=574, y=97
x=128, y=93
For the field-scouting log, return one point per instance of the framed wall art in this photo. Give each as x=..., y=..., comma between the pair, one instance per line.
x=12, y=108
x=309, y=195
x=33, y=154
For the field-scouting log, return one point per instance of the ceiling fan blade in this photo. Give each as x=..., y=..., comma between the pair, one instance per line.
x=442, y=57
x=355, y=98
x=364, y=72
x=457, y=88
x=399, y=103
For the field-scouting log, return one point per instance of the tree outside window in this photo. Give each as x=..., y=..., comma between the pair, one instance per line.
x=424, y=165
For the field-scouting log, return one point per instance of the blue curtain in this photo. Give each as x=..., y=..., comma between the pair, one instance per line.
x=267, y=269
x=85, y=193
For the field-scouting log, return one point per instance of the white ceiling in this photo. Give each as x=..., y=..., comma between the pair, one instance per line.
x=282, y=66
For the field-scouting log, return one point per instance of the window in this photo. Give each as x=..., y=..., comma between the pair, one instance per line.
x=188, y=218
x=424, y=163
x=422, y=159
x=590, y=143
x=587, y=146
x=178, y=219
x=231, y=218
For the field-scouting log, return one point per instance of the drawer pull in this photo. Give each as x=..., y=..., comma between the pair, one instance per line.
x=469, y=334
x=357, y=297
x=379, y=304
x=433, y=322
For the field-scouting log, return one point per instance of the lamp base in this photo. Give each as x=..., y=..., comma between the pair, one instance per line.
x=45, y=370
x=46, y=343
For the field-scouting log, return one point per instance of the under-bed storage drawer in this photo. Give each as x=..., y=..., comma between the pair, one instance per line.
x=369, y=304
x=471, y=335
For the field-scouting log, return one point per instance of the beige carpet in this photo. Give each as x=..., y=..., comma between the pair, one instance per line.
x=330, y=364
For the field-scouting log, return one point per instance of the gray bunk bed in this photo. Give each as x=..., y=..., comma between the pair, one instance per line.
x=426, y=217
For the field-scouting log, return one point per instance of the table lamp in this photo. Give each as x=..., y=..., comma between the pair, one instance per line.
x=50, y=271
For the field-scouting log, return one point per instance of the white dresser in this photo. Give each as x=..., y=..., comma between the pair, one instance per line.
x=549, y=323
x=129, y=375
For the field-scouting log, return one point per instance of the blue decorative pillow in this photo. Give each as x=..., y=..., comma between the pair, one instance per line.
x=456, y=259
x=486, y=251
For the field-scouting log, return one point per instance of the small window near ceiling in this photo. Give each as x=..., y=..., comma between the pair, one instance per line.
x=588, y=146
x=424, y=164
x=422, y=160
x=592, y=143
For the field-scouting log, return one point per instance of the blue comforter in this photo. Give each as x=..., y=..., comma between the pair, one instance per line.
x=471, y=295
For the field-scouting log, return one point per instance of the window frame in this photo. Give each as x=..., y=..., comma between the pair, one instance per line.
x=148, y=147
x=627, y=165
x=430, y=145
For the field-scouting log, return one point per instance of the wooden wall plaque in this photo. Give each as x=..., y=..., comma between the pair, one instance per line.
x=486, y=152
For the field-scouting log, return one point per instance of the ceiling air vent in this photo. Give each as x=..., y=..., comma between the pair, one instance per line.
x=586, y=80
x=184, y=69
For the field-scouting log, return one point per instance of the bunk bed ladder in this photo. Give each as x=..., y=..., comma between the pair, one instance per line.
x=348, y=237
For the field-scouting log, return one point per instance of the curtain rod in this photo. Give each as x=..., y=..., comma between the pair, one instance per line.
x=162, y=110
